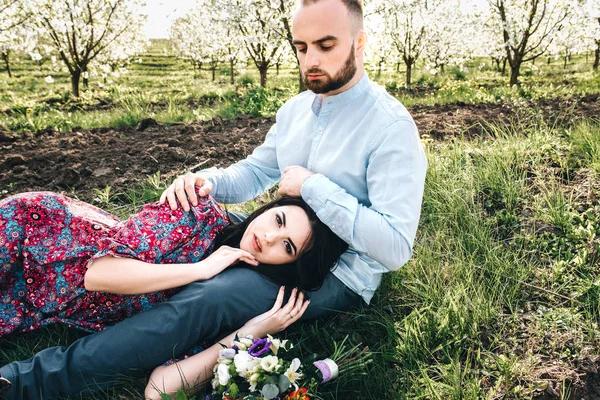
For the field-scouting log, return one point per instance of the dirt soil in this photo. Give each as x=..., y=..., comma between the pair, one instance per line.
x=82, y=160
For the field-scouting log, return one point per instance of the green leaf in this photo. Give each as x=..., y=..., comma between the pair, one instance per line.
x=180, y=395
x=270, y=391
x=234, y=390
x=165, y=396
x=284, y=383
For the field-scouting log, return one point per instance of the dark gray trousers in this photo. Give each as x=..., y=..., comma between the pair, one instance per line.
x=201, y=311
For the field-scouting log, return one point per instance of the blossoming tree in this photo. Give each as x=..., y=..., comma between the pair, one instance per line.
x=13, y=14
x=260, y=25
x=591, y=28
x=84, y=30
x=205, y=36
x=527, y=28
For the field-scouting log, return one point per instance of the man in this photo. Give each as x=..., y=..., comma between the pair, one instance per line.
x=347, y=147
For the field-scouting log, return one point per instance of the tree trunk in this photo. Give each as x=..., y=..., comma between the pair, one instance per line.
x=231, y=72
x=379, y=68
x=301, y=85
x=277, y=68
x=549, y=60
x=597, y=55
x=86, y=79
x=566, y=58
x=263, y=74
x=442, y=67
x=408, y=72
x=75, y=76
x=213, y=69
x=514, y=73
x=504, y=66
x=6, y=63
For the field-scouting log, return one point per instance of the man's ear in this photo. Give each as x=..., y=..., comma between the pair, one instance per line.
x=361, y=43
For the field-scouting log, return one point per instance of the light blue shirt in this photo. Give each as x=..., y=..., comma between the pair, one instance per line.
x=370, y=172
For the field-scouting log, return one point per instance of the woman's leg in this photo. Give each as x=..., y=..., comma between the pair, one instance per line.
x=200, y=312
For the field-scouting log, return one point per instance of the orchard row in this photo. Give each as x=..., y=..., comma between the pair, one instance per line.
x=94, y=38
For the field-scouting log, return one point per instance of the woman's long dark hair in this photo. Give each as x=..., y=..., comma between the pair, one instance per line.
x=318, y=256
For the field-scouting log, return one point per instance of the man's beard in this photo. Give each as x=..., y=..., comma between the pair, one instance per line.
x=328, y=84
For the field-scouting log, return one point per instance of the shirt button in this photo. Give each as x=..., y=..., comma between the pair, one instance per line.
x=332, y=226
x=309, y=201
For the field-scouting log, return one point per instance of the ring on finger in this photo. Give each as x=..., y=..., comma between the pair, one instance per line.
x=290, y=314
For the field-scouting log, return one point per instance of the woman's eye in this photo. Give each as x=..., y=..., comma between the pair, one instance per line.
x=302, y=50
x=278, y=219
x=326, y=48
x=288, y=248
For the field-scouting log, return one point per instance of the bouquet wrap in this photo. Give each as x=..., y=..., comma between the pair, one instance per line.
x=329, y=369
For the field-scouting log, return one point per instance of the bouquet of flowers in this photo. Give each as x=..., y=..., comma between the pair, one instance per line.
x=258, y=369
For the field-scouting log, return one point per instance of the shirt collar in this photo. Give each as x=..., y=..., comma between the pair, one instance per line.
x=343, y=98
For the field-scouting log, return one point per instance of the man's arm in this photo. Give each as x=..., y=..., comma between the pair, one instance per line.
x=239, y=182
x=385, y=231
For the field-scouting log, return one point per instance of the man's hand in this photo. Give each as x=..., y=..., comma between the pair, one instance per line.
x=183, y=188
x=292, y=180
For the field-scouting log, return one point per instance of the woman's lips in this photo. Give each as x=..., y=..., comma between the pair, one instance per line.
x=256, y=244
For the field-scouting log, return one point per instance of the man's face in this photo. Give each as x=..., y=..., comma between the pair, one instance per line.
x=325, y=46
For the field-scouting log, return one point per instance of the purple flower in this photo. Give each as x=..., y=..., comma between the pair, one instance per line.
x=227, y=353
x=259, y=347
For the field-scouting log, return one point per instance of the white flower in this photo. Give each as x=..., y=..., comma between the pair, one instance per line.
x=49, y=79
x=276, y=344
x=245, y=364
x=292, y=372
x=269, y=363
x=243, y=343
x=253, y=381
x=223, y=373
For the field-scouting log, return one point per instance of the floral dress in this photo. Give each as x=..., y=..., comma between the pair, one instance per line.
x=47, y=242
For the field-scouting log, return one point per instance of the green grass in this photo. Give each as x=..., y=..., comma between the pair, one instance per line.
x=504, y=278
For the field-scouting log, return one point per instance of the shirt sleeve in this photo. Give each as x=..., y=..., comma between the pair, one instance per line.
x=384, y=231
x=248, y=178
x=158, y=235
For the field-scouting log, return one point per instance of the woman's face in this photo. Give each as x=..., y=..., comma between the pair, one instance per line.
x=278, y=235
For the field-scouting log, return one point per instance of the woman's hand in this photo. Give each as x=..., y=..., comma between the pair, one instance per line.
x=279, y=317
x=222, y=258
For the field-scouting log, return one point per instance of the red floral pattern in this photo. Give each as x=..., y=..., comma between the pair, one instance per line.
x=47, y=241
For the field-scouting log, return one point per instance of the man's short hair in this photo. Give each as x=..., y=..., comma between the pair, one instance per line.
x=355, y=12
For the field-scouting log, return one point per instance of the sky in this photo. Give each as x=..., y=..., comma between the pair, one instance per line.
x=162, y=13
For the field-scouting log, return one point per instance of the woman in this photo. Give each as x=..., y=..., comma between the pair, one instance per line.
x=62, y=260
x=194, y=372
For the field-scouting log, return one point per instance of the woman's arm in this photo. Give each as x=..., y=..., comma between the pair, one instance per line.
x=196, y=371
x=130, y=276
